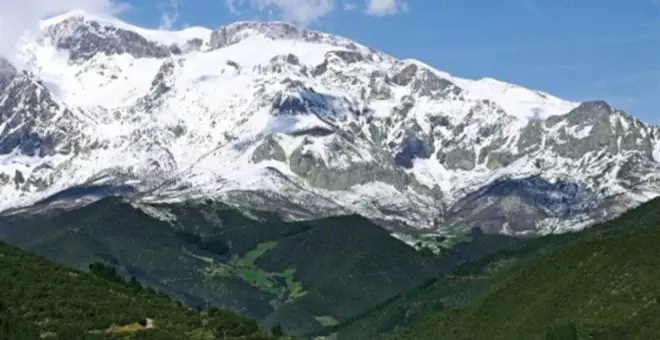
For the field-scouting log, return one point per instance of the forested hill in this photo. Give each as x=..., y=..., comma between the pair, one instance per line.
x=44, y=300
x=603, y=284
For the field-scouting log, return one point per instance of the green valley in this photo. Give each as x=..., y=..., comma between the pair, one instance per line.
x=282, y=284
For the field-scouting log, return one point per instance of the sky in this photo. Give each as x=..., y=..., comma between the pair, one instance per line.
x=574, y=49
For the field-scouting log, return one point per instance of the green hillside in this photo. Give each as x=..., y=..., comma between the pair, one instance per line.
x=347, y=278
x=301, y=276
x=603, y=283
x=44, y=300
x=459, y=288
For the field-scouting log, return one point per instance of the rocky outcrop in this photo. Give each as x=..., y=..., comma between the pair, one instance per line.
x=269, y=149
x=84, y=39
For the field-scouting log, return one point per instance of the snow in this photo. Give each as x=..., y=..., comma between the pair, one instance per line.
x=515, y=100
x=197, y=139
x=656, y=153
x=166, y=37
x=582, y=133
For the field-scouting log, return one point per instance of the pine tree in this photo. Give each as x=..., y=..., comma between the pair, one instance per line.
x=277, y=330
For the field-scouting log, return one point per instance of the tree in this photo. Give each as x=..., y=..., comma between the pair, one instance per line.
x=134, y=284
x=105, y=272
x=277, y=330
x=15, y=328
x=562, y=332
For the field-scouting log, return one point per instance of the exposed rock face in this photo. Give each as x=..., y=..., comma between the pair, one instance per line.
x=516, y=203
x=7, y=73
x=237, y=32
x=269, y=149
x=84, y=39
x=305, y=124
x=27, y=114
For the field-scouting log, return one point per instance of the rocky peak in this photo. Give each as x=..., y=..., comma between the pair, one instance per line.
x=392, y=140
x=84, y=38
x=422, y=80
x=276, y=30
x=29, y=117
x=589, y=112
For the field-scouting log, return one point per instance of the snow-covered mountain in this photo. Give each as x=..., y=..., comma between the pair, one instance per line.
x=270, y=116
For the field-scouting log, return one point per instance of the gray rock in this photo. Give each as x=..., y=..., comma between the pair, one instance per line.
x=269, y=149
x=411, y=148
x=418, y=187
x=348, y=57
x=84, y=39
x=4, y=178
x=406, y=75
x=159, y=85
x=286, y=58
x=317, y=173
x=7, y=73
x=426, y=83
x=458, y=159
x=320, y=69
x=605, y=131
x=531, y=137
x=499, y=159
x=440, y=120
x=18, y=177
x=378, y=88
x=233, y=64
x=27, y=110
x=194, y=44
x=236, y=32
x=520, y=204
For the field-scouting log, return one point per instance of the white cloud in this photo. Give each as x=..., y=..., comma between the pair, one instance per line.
x=302, y=12
x=381, y=8
x=21, y=17
x=349, y=6
x=170, y=15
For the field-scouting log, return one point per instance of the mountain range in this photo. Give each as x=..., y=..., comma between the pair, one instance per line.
x=306, y=125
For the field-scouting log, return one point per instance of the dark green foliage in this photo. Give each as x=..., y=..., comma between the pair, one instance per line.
x=42, y=298
x=216, y=246
x=562, y=332
x=229, y=324
x=340, y=263
x=277, y=330
x=449, y=291
x=107, y=273
x=14, y=327
x=601, y=283
x=134, y=284
x=349, y=283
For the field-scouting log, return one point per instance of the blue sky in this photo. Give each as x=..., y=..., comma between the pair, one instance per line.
x=575, y=49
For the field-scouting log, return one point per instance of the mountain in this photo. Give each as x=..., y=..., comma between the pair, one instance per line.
x=307, y=125
x=602, y=285
x=594, y=284
x=207, y=255
x=44, y=300
x=299, y=275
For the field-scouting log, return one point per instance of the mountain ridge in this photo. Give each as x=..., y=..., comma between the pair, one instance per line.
x=324, y=124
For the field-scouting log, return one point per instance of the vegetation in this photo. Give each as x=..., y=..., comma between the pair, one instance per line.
x=602, y=283
x=283, y=284
x=326, y=277
x=279, y=273
x=41, y=299
x=436, y=243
